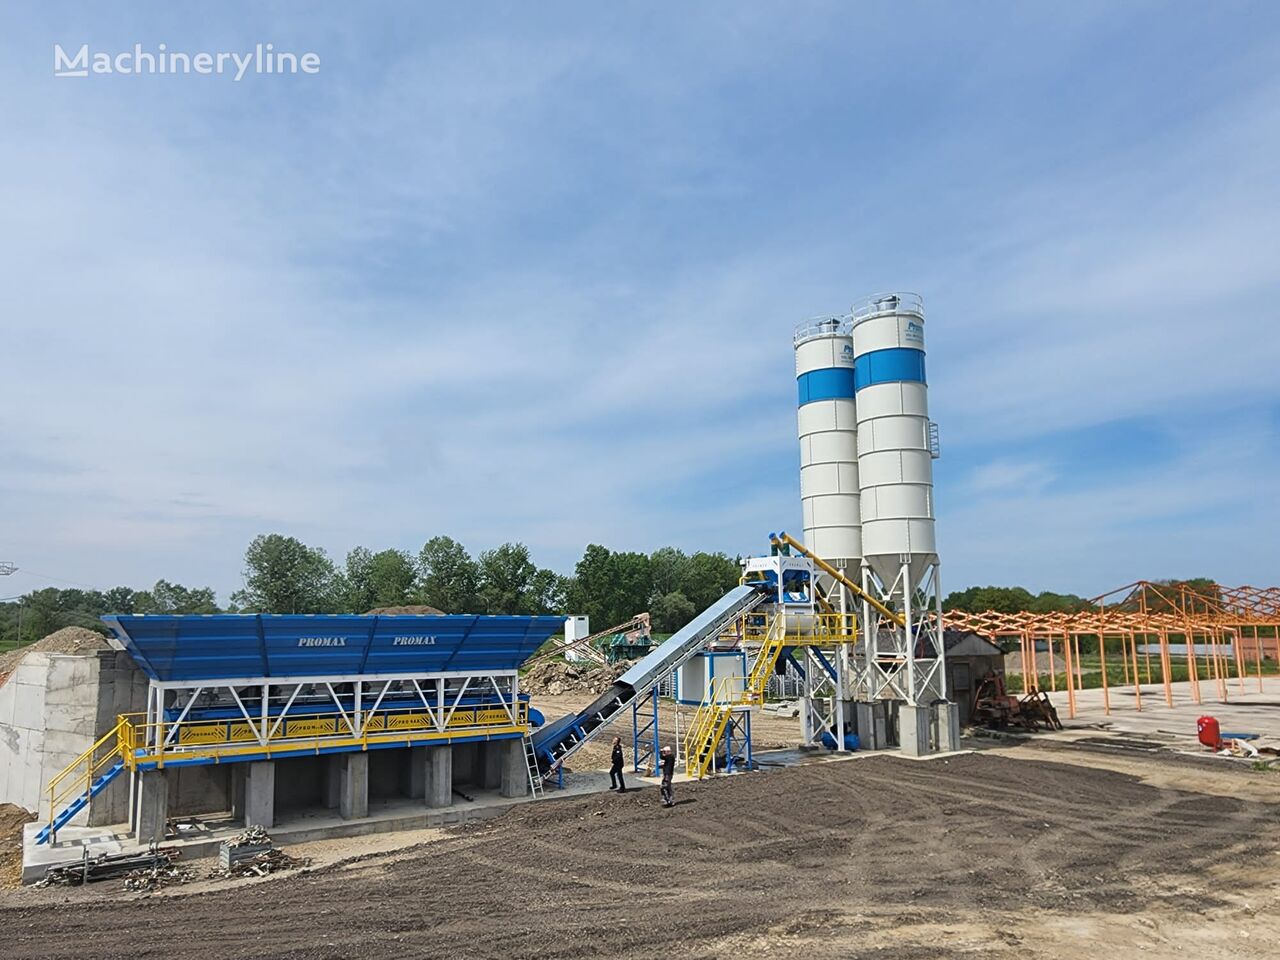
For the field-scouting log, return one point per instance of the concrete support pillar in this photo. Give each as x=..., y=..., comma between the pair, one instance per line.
x=437, y=768
x=416, y=775
x=153, y=805
x=948, y=726
x=864, y=722
x=491, y=754
x=239, y=775
x=515, y=771
x=260, y=794
x=913, y=730
x=353, y=799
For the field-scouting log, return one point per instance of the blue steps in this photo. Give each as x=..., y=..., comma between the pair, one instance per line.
x=80, y=802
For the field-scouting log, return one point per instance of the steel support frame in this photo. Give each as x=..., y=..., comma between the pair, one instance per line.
x=820, y=710
x=644, y=737
x=439, y=695
x=906, y=663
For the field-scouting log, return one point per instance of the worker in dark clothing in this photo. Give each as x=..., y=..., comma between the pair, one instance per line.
x=667, y=764
x=615, y=767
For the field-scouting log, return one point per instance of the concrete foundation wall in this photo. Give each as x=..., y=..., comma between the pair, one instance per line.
x=52, y=709
x=387, y=772
x=196, y=790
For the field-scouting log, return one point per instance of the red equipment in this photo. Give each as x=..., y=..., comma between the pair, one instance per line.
x=1209, y=732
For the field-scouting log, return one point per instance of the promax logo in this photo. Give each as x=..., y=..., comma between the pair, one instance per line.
x=322, y=641
x=413, y=641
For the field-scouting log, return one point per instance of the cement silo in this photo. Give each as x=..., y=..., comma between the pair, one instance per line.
x=827, y=424
x=896, y=447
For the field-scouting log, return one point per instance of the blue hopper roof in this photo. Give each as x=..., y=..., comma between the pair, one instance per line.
x=269, y=645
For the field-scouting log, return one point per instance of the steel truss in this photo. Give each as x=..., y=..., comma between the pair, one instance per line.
x=270, y=716
x=1221, y=630
x=905, y=662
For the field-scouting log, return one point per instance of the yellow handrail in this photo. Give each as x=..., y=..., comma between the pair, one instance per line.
x=60, y=795
x=231, y=737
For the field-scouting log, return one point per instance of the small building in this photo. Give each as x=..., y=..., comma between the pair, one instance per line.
x=970, y=657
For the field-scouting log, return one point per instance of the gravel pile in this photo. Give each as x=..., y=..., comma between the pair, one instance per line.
x=554, y=677
x=413, y=609
x=77, y=641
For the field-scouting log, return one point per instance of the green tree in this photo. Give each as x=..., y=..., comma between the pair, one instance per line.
x=120, y=600
x=173, y=598
x=448, y=579
x=506, y=579
x=611, y=587
x=709, y=577
x=283, y=575
x=546, y=594
x=1012, y=600
x=384, y=579
x=671, y=611
x=670, y=568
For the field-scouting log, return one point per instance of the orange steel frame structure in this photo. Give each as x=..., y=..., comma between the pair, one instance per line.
x=1220, y=632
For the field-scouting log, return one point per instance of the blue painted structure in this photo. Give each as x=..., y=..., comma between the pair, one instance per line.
x=894, y=365
x=226, y=646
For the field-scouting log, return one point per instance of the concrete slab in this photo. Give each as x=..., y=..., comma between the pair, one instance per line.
x=1251, y=710
x=70, y=847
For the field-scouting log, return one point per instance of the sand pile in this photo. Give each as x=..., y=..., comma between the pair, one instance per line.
x=77, y=641
x=554, y=677
x=12, y=819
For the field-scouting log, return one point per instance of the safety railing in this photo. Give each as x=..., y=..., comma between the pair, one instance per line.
x=881, y=303
x=723, y=696
x=823, y=327
x=143, y=743
x=77, y=778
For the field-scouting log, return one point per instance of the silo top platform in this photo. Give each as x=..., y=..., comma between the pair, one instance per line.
x=241, y=646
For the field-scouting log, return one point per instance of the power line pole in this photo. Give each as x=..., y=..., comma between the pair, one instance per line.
x=8, y=568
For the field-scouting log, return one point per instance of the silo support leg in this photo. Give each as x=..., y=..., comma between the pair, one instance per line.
x=913, y=730
x=948, y=727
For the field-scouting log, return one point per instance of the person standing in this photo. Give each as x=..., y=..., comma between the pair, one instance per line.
x=615, y=767
x=667, y=763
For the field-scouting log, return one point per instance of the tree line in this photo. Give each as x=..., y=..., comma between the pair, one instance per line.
x=1019, y=600
x=284, y=575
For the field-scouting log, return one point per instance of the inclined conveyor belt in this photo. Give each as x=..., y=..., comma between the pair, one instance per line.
x=557, y=741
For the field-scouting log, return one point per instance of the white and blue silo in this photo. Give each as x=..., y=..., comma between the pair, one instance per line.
x=896, y=446
x=828, y=429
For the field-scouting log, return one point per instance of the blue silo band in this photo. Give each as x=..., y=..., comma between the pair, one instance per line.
x=888, y=366
x=831, y=383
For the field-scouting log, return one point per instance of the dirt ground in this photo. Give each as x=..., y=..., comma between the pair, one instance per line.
x=1009, y=852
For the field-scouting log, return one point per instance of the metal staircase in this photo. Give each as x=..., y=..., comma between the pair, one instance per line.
x=83, y=779
x=724, y=697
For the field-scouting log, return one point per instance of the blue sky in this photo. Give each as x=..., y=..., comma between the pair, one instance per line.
x=530, y=273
